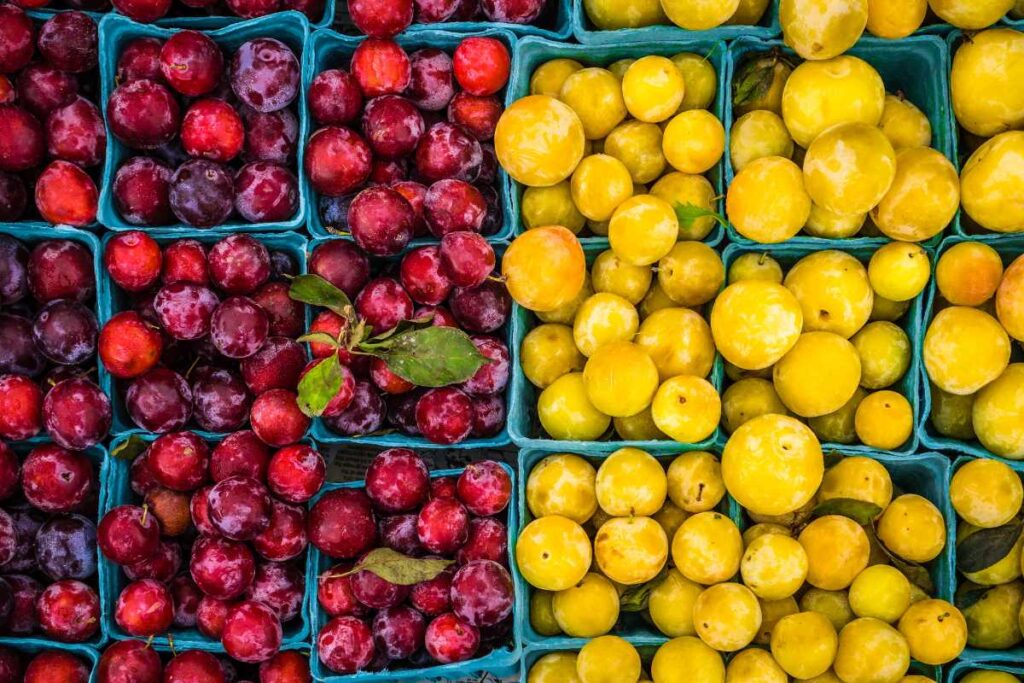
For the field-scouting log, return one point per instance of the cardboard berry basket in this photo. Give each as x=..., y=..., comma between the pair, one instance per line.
x=500, y=662
x=957, y=670
x=533, y=52
x=392, y=438
x=31, y=646
x=118, y=491
x=116, y=31
x=632, y=627
x=115, y=300
x=788, y=253
x=911, y=65
x=555, y=21
x=588, y=34
x=1009, y=248
x=31, y=234
x=331, y=50
x=523, y=423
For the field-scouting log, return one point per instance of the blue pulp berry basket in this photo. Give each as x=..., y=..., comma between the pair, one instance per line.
x=631, y=627
x=31, y=646
x=588, y=34
x=114, y=300
x=908, y=65
x=788, y=253
x=331, y=50
x=116, y=31
x=523, y=423
x=555, y=21
x=1009, y=248
x=118, y=491
x=533, y=52
x=31, y=234
x=960, y=668
x=1014, y=655
x=98, y=456
x=398, y=440
x=499, y=662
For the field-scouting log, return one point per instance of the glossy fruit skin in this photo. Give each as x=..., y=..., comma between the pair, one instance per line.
x=69, y=611
x=129, y=661
x=140, y=188
x=381, y=67
x=252, y=632
x=442, y=525
x=348, y=539
x=75, y=133
x=449, y=639
x=337, y=161
x=144, y=608
x=49, y=665
x=126, y=535
x=481, y=65
x=381, y=221
x=160, y=118
x=65, y=194
x=19, y=39
x=397, y=480
x=77, y=413
x=345, y=645
x=482, y=593
x=444, y=415
x=432, y=82
x=265, y=74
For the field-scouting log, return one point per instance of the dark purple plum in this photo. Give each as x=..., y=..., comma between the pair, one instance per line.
x=66, y=548
x=159, y=401
x=364, y=415
x=65, y=332
x=220, y=400
x=18, y=352
x=202, y=193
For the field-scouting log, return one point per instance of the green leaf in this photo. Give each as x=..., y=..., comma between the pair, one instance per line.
x=859, y=511
x=404, y=326
x=634, y=598
x=316, y=291
x=130, y=448
x=967, y=594
x=753, y=79
x=319, y=338
x=687, y=214
x=917, y=574
x=433, y=356
x=399, y=569
x=984, y=548
x=321, y=384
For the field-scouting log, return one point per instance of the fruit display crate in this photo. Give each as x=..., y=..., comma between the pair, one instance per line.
x=788, y=253
x=332, y=50
x=100, y=460
x=588, y=34
x=523, y=423
x=32, y=233
x=394, y=439
x=1014, y=655
x=31, y=646
x=633, y=627
x=113, y=300
x=956, y=671
x=499, y=663
x=118, y=491
x=555, y=21
x=910, y=66
x=533, y=52
x=116, y=31
x=1009, y=247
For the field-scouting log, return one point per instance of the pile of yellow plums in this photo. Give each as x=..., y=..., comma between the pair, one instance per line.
x=821, y=342
x=812, y=579
x=695, y=15
x=976, y=392
x=611, y=151
x=822, y=148
x=987, y=496
x=630, y=349
x=989, y=105
x=984, y=673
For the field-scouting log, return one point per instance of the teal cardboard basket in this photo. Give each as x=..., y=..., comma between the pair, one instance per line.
x=31, y=646
x=332, y=50
x=31, y=234
x=533, y=52
x=960, y=668
x=788, y=253
x=588, y=34
x=114, y=300
x=910, y=66
x=100, y=461
x=116, y=31
x=523, y=423
x=555, y=21
x=1009, y=247
x=502, y=661
x=632, y=627
x=118, y=491
x=395, y=439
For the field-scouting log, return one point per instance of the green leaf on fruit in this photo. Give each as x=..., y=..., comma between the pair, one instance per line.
x=399, y=569
x=403, y=326
x=130, y=448
x=917, y=574
x=967, y=594
x=433, y=356
x=860, y=511
x=688, y=214
x=316, y=291
x=984, y=548
x=319, y=338
x=635, y=598
x=321, y=384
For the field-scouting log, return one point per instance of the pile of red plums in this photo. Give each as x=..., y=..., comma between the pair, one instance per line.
x=422, y=164
x=208, y=338
x=457, y=273
x=48, y=335
x=52, y=136
x=233, y=517
x=48, y=545
x=133, y=661
x=388, y=18
x=45, y=666
x=459, y=614
x=219, y=131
